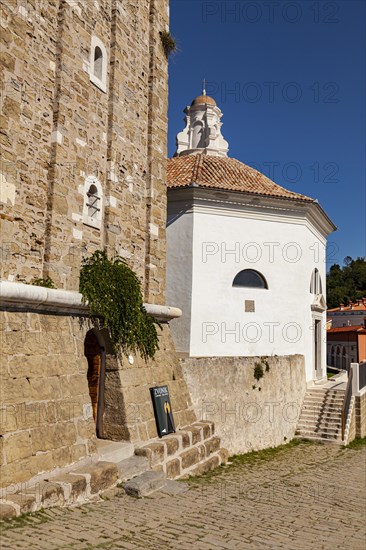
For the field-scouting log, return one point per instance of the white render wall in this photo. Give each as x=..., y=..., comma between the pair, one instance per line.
x=179, y=275
x=285, y=251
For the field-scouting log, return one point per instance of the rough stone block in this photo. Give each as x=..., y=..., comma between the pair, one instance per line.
x=7, y=511
x=131, y=467
x=202, y=451
x=224, y=455
x=75, y=485
x=196, y=433
x=185, y=439
x=47, y=493
x=154, y=452
x=174, y=488
x=17, y=446
x=26, y=502
x=206, y=466
x=173, y=468
x=212, y=445
x=172, y=445
x=206, y=429
x=102, y=475
x=145, y=484
x=190, y=457
x=53, y=436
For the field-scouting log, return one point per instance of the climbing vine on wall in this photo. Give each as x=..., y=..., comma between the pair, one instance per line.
x=113, y=293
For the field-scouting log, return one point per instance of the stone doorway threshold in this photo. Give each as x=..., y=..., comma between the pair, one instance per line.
x=114, y=451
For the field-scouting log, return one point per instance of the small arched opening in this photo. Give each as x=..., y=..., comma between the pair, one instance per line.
x=249, y=278
x=94, y=351
x=338, y=358
x=344, y=359
x=98, y=63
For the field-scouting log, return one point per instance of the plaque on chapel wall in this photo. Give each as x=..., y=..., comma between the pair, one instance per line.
x=162, y=410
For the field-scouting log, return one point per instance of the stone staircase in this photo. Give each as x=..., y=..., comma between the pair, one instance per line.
x=321, y=415
x=141, y=471
x=193, y=450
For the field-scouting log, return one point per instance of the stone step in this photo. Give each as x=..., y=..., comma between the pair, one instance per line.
x=132, y=467
x=191, y=451
x=145, y=484
x=323, y=415
x=318, y=439
x=329, y=401
x=321, y=395
x=320, y=429
x=114, y=451
x=318, y=425
x=321, y=408
x=321, y=434
x=159, y=451
x=320, y=422
x=320, y=415
x=325, y=391
x=75, y=487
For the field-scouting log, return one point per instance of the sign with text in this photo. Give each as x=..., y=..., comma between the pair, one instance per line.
x=162, y=410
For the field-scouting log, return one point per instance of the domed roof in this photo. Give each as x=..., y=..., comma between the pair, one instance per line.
x=204, y=100
x=214, y=172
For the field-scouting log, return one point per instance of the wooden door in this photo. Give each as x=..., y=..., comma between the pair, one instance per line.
x=93, y=354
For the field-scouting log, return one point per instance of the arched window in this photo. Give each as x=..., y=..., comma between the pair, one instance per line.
x=98, y=64
x=316, y=283
x=198, y=138
x=249, y=278
x=93, y=202
x=332, y=357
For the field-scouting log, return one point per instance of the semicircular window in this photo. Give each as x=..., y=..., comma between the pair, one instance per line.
x=250, y=278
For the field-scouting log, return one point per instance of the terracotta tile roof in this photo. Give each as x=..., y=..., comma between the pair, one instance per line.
x=355, y=328
x=357, y=306
x=223, y=173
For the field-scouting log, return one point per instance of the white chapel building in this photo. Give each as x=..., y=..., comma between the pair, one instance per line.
x=245, y=257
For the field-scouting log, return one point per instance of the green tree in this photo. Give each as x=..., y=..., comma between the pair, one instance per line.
x=347, y=283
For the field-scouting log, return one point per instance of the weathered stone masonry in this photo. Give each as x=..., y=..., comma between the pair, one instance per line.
x=58, y=127
x=64, y=122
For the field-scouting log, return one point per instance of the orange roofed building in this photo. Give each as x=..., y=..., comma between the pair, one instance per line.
x=351, y=315
x=346, y=345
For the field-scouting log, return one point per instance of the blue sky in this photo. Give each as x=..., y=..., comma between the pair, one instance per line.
x=290, y=80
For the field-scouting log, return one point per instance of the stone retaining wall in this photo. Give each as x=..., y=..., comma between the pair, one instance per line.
x=46, y=414
x=360, y=415
x=248, y=414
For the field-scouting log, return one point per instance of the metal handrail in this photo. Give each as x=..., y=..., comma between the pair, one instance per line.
x=346, y=403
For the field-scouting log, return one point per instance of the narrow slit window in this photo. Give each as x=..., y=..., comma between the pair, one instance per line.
x=93, y=202
x=316, y=283
x=98, y=63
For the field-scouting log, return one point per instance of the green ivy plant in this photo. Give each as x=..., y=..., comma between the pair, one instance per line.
x=113, y=293
x=259, y=369
x=47, y=282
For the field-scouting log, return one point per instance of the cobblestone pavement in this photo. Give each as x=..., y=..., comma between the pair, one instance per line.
x=308, y=496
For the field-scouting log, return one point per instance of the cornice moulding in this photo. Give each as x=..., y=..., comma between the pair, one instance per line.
x=23, y=297
x=240, y=204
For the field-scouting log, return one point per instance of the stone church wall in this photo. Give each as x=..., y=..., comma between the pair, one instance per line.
x=59, y=127
x=46, y=415
x=248, y=414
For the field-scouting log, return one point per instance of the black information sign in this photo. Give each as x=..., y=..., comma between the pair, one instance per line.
x=163, y=410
